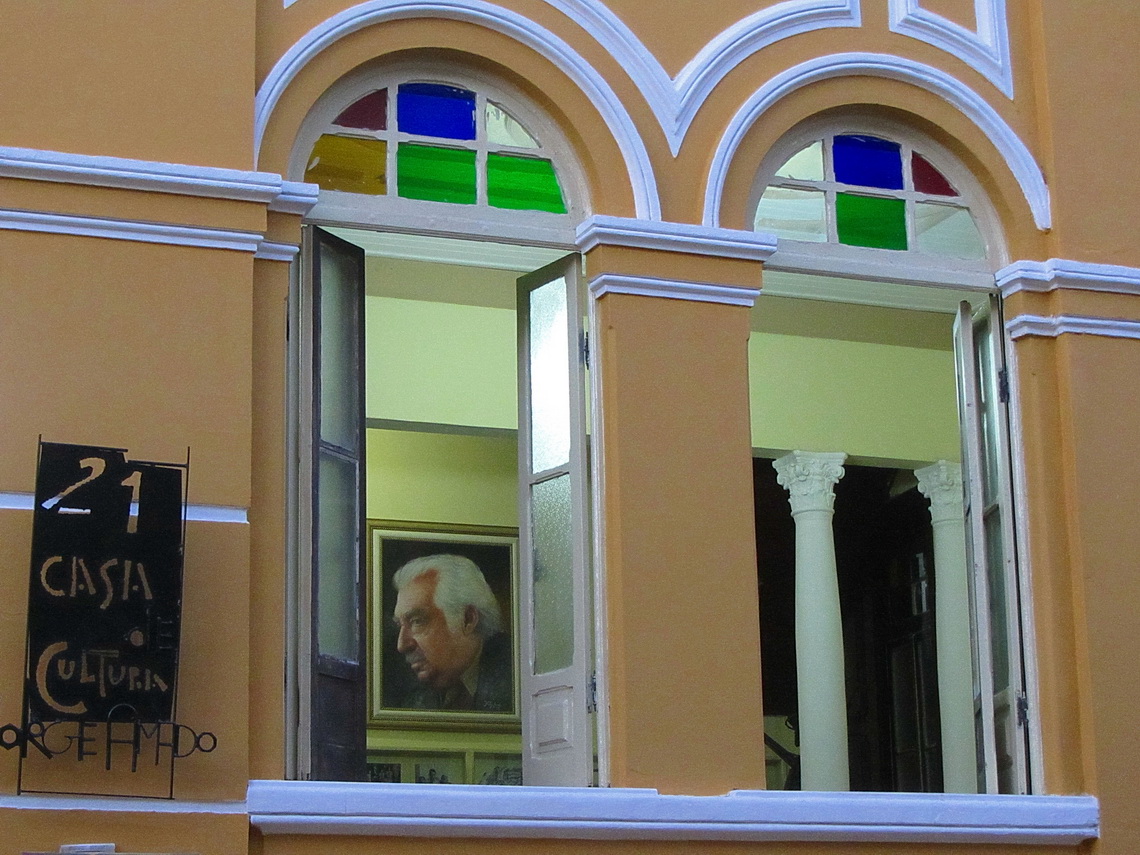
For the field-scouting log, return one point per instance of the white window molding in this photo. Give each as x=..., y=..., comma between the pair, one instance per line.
x=495, y=18
x=674, y=237
x=1061, y=273
x=406, y=810
x=1052, y=326
x=156, y=177
x=143, y=232
x=671, y=289
x=1016, y=154
x=985, y=50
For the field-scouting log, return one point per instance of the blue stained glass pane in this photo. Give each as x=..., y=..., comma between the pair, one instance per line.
x=867, y=162
x=435, y=110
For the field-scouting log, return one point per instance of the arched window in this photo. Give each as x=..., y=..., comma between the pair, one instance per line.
x=877, y=377
x=434, y=140
x=863, y=190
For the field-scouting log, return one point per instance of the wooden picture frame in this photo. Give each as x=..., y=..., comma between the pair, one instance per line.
x=397, y=696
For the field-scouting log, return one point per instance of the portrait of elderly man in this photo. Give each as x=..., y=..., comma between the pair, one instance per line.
x=449, y=631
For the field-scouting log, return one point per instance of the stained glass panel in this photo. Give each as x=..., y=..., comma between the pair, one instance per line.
x=804, y=165
x=435, y=174
x=947, y=230
x=523, y=183
x=867, y=161
x=505, y=129
x=435, y=110
x=793, y=213
x=349, y=164
x=927, y=178
x=369, y=113
x=870, y=221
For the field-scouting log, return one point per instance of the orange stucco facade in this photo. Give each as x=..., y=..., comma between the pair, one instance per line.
x=160, y=342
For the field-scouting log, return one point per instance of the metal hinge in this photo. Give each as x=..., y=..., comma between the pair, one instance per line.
x=1022, y=709
x=1003, y=386
x=592, y=694
x=585, y=348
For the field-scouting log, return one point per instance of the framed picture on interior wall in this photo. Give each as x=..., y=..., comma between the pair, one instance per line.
x=443, y=626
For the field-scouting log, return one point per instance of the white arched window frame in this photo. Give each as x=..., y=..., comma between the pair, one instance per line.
x=826, y=269
x=331, y=286
x=478, y=220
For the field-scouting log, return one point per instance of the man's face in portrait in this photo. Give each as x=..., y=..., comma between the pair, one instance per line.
x=437, y=654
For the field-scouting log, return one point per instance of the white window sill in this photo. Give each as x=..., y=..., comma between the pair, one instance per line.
x=445, y=810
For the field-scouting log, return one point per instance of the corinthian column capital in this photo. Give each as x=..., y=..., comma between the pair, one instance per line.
x=810, y=478
x=941, y=483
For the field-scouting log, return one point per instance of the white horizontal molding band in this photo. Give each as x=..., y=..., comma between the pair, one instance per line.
x=276, y=251
x=985, y=50
x=194, y=513
x=1018, y=158
x=1055, y=325
x=674, y=237
x=157, y=177
x=492, y=17
x=1061, y=273
x=648, y=286
x=116, y=804
x=100, y=227
x=304, y=807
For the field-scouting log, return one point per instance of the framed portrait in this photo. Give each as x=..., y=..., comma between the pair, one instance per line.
x=443, y=626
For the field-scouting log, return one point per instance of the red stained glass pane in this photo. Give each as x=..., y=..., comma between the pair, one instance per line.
x=370, y=113
x=927, y=179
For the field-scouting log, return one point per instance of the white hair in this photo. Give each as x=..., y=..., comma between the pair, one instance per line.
x=459, y=584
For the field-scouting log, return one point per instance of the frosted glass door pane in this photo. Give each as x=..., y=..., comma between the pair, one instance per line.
x=553, y=576
x=337, y=612
x=339, y=383
x=549, y=377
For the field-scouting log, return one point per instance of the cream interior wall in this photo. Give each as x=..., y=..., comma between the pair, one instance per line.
x=448, y=364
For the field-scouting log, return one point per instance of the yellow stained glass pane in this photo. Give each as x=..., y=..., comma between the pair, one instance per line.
x=349, y=164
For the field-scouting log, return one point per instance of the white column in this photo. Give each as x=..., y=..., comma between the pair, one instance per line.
x=810, y=479
x=941, y=483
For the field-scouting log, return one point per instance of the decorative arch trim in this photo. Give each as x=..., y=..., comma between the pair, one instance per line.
x=986, y=50
x=676, y=101
x=1015, y=153
x=542, y=41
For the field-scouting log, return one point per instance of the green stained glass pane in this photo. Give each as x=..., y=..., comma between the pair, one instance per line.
x=870, y=221
x=349, y=164
x=523, y=183
x=435, y=174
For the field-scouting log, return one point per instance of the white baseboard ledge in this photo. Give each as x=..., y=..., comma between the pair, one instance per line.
x=410, y=810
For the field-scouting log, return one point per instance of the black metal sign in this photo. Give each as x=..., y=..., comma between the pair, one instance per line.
x=105, y=594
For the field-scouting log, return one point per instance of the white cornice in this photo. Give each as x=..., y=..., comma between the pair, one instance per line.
x=272, y=250
x=117, y=804
x=411, y=810
x=674, y=237
x=1061, y=273
x=1016, y=154
x=156, y=177
x=101, y=227
x=986, y=50
x=492, y=17
x=671, y=289
x=1054, y=325
x=676, y=101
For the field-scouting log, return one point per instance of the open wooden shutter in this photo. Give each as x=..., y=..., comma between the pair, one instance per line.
x=999, y=683
x=337, y=712
x=553, y=534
